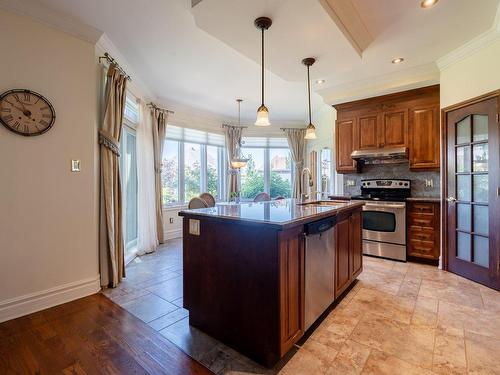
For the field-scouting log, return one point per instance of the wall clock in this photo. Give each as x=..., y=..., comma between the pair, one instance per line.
x=26, y=112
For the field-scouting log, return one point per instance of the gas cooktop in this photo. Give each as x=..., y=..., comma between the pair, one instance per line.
x=395, y=190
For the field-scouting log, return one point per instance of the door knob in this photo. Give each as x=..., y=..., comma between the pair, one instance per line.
x=451, y=199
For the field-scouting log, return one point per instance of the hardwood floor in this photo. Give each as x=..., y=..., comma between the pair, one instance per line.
x=91, y=335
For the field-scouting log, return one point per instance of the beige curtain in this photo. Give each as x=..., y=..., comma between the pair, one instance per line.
x=111, y=249
x=297, y=145
x=233, y=140
x=159, y=130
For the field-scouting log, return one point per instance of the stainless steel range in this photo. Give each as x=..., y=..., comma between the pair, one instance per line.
x=384, y=217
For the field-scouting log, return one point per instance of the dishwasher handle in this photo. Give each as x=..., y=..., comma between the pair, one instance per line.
x=320, y=226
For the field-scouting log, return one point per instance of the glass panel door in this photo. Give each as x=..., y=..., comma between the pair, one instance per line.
x=128, y=167
x=473, y=178
x=471, y=151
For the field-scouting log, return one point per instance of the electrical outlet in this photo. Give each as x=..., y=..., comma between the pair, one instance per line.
x=429, y=182
x=350, y=183
x=194, y=227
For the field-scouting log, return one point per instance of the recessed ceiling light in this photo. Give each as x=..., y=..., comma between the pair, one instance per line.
x=320, y=81
x=428, y=3
x=398, y=60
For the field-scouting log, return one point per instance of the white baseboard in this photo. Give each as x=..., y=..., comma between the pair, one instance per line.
x=172, y=234
x=30, y=303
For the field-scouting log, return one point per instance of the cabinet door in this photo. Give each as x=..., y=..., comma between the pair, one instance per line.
x=344, y=141
x=342, y=268
x=395, y=129
x=424, y=138
x=355, y=247
x=368, y=132
x=292, y=283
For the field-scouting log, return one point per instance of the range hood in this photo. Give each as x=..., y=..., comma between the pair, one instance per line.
x=381, y=156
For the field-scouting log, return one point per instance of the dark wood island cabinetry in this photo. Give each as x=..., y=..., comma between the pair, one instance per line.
x=244, y=270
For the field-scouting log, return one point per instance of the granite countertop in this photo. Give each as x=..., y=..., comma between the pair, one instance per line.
x=279, y=213
x=424, y=199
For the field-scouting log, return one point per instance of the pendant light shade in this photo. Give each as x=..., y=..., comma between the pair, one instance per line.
x=311, y=129
x=239, y=162
x=310, y=132
x=263, y=23
x=262, y=116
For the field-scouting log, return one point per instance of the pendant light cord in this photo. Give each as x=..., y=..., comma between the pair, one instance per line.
x=262, y=66
x=309, y=93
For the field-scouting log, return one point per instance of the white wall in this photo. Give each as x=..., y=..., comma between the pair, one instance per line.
x=324, y=120
x=473, y=76
x=48, y=215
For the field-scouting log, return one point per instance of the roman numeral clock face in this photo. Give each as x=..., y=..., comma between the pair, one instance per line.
x=26, y=113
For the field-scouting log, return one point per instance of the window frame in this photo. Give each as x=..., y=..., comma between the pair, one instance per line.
x=267, y=164
x=221, y=166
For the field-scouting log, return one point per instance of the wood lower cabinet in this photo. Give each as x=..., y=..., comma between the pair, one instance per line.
x=291, y=261
x=423, y=230
x=407, y=119
x=349, y=254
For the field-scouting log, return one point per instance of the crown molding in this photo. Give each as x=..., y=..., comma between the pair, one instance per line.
x=136, y=85
x=471, y=47
x=408, y=79
x=52, y=18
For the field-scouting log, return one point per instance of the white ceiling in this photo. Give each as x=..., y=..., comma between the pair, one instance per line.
x=207, y=56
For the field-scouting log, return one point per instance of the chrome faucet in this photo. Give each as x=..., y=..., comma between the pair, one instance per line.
x=307, y=193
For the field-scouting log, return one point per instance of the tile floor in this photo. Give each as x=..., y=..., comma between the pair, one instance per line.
x=400, y=318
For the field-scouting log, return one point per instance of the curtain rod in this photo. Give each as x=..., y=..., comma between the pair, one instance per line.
x=232, y=126
x=154, y=106
x=111, y=60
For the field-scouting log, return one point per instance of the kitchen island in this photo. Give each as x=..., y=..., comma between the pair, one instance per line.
x=244, y=269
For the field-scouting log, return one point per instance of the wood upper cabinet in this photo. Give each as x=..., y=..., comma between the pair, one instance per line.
x=424, y=137
x=406, y=119
x=345, y=145
x=395, y=129
x=367, y=131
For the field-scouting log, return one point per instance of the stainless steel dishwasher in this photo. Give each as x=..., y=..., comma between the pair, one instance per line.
x=319, y=268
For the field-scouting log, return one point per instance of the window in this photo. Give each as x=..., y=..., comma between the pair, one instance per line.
x=281, y=173
x=128, y=168
x=170, y=172
x=325, y=182
x=269, y=168
x=193, y=162
x=192, y=170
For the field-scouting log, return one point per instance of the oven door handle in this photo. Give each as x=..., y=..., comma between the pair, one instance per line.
x=385, y=205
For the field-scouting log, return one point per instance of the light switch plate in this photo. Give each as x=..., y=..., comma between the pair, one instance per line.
x=75, y=165
x=194, y=227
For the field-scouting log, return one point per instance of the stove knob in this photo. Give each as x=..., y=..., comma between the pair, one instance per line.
x=400, y=183
x=406, y=183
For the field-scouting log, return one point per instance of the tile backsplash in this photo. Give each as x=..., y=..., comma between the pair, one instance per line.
x=423, y=184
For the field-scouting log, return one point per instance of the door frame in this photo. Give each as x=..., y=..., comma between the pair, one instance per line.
x=444, y=165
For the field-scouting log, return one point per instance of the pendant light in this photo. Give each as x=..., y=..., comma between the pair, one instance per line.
x=239, y=162
x=263, y=23
x=311, y=129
